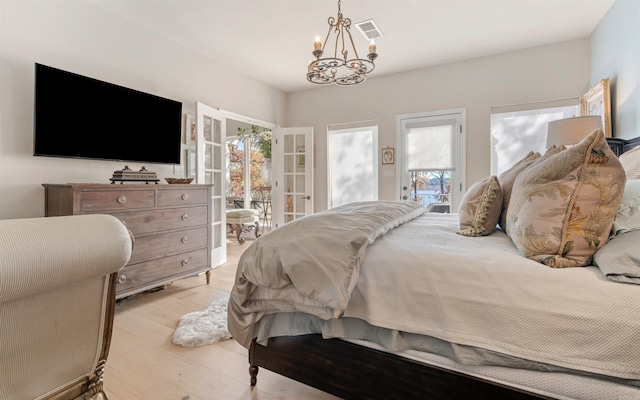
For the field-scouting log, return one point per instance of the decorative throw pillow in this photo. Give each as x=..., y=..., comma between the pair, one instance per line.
x=631, y=163
x=619, y=259
x=506, y=180
x=480, y=208
x=628, y=215
x=562, y=209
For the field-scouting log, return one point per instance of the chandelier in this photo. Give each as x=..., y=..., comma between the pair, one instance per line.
x=339, y=68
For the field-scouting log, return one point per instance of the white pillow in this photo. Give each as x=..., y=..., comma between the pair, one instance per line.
x=628, y=214
x=630, y=161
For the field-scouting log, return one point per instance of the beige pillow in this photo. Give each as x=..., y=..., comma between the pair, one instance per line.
x=506, y=180
x=480, y=208
x=562, y=209
x=631, y=163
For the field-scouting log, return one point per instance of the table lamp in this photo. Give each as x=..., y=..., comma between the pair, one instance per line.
x=570, y=131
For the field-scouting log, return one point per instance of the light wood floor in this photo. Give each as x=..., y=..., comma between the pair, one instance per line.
x=144, y=364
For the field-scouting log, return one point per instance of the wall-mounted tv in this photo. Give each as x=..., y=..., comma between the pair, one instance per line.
x=80, y=117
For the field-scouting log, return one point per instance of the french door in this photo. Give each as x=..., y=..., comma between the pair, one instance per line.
x=431, y=162
x=292, y=163
x=211, y=170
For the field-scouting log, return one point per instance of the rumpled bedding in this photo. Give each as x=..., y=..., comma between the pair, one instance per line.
x=424, y=279
x=311, y=264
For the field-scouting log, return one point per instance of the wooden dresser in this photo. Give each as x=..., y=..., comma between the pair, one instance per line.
x=171, y=225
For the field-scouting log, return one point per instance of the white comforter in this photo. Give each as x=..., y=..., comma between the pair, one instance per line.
x=425, y=279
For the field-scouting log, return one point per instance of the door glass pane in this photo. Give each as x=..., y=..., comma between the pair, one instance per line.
x=289, y=161
x=208, y=177
x=208, y=155
x=217, y=131
x=217, y=210
x=217, y=183
x=235, y=172
x=217, y=161
x=430, y=147
x=288, y=144
x=288, y=204
x=300, y=184
x=288, y=186
x=432, y=189
x=300, y=206
x=207, y=129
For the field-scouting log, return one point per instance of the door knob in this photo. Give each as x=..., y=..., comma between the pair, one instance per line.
x=306, y=197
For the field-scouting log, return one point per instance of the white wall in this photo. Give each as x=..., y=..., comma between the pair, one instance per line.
x=537, y=74
x=615, y=53
x=81, y=37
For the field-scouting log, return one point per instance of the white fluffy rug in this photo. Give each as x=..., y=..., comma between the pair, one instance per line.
x=201, y=328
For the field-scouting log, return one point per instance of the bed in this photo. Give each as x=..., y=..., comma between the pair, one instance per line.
x=415, y=305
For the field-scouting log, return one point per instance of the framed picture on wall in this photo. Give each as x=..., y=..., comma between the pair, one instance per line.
x=597, y=101
x=388, y=156
x=190, y=129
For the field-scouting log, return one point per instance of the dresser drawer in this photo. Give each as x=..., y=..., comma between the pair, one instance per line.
x=109, y=200
x=157, y=272
x=182, y=197
x=163, y=244
x=163, y=219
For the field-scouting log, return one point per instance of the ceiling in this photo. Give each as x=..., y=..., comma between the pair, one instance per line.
x=272, y=40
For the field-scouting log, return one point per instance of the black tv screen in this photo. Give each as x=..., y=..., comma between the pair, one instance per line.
x=81, y=117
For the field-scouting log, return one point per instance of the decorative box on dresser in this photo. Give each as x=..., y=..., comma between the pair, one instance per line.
x=171, y=225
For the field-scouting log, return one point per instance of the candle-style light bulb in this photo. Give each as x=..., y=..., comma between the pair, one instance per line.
x=317, y=45
x=372, y=46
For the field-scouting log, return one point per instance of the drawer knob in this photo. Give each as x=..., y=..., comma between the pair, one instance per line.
x=185, y=217
x=184, y=262
x=122, y=279
x=122, y=199
x=184, y=239
x=185, y=196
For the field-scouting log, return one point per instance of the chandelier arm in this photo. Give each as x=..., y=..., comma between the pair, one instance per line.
x=326, y=39
x=335, y=51
x=352, y=45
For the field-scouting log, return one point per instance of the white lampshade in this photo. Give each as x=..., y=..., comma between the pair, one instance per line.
x=570, y=131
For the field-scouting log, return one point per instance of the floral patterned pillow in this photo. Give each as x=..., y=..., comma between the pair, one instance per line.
x=480, y=208
x=562, y=208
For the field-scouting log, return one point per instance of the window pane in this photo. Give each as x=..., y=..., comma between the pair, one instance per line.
x=514, y=134
x=353, y=173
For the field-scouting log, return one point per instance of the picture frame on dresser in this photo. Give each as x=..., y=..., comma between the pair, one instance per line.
x=597, y=101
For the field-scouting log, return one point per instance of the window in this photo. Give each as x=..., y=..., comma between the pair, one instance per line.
x=353, y=164
x=516, y=130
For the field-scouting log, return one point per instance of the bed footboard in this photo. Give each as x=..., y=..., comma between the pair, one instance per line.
x=351, y=371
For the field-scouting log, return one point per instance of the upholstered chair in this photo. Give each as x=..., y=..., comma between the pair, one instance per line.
x=57, y=302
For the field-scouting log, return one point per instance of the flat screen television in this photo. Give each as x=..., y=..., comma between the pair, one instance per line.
x=80, y=117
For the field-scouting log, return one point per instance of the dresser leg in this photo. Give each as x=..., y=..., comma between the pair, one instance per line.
x=208, y=276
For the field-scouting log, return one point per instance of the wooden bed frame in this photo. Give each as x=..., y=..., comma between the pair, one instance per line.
x=351, y=371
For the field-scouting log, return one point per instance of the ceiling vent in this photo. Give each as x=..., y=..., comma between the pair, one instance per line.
x=369, y=29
